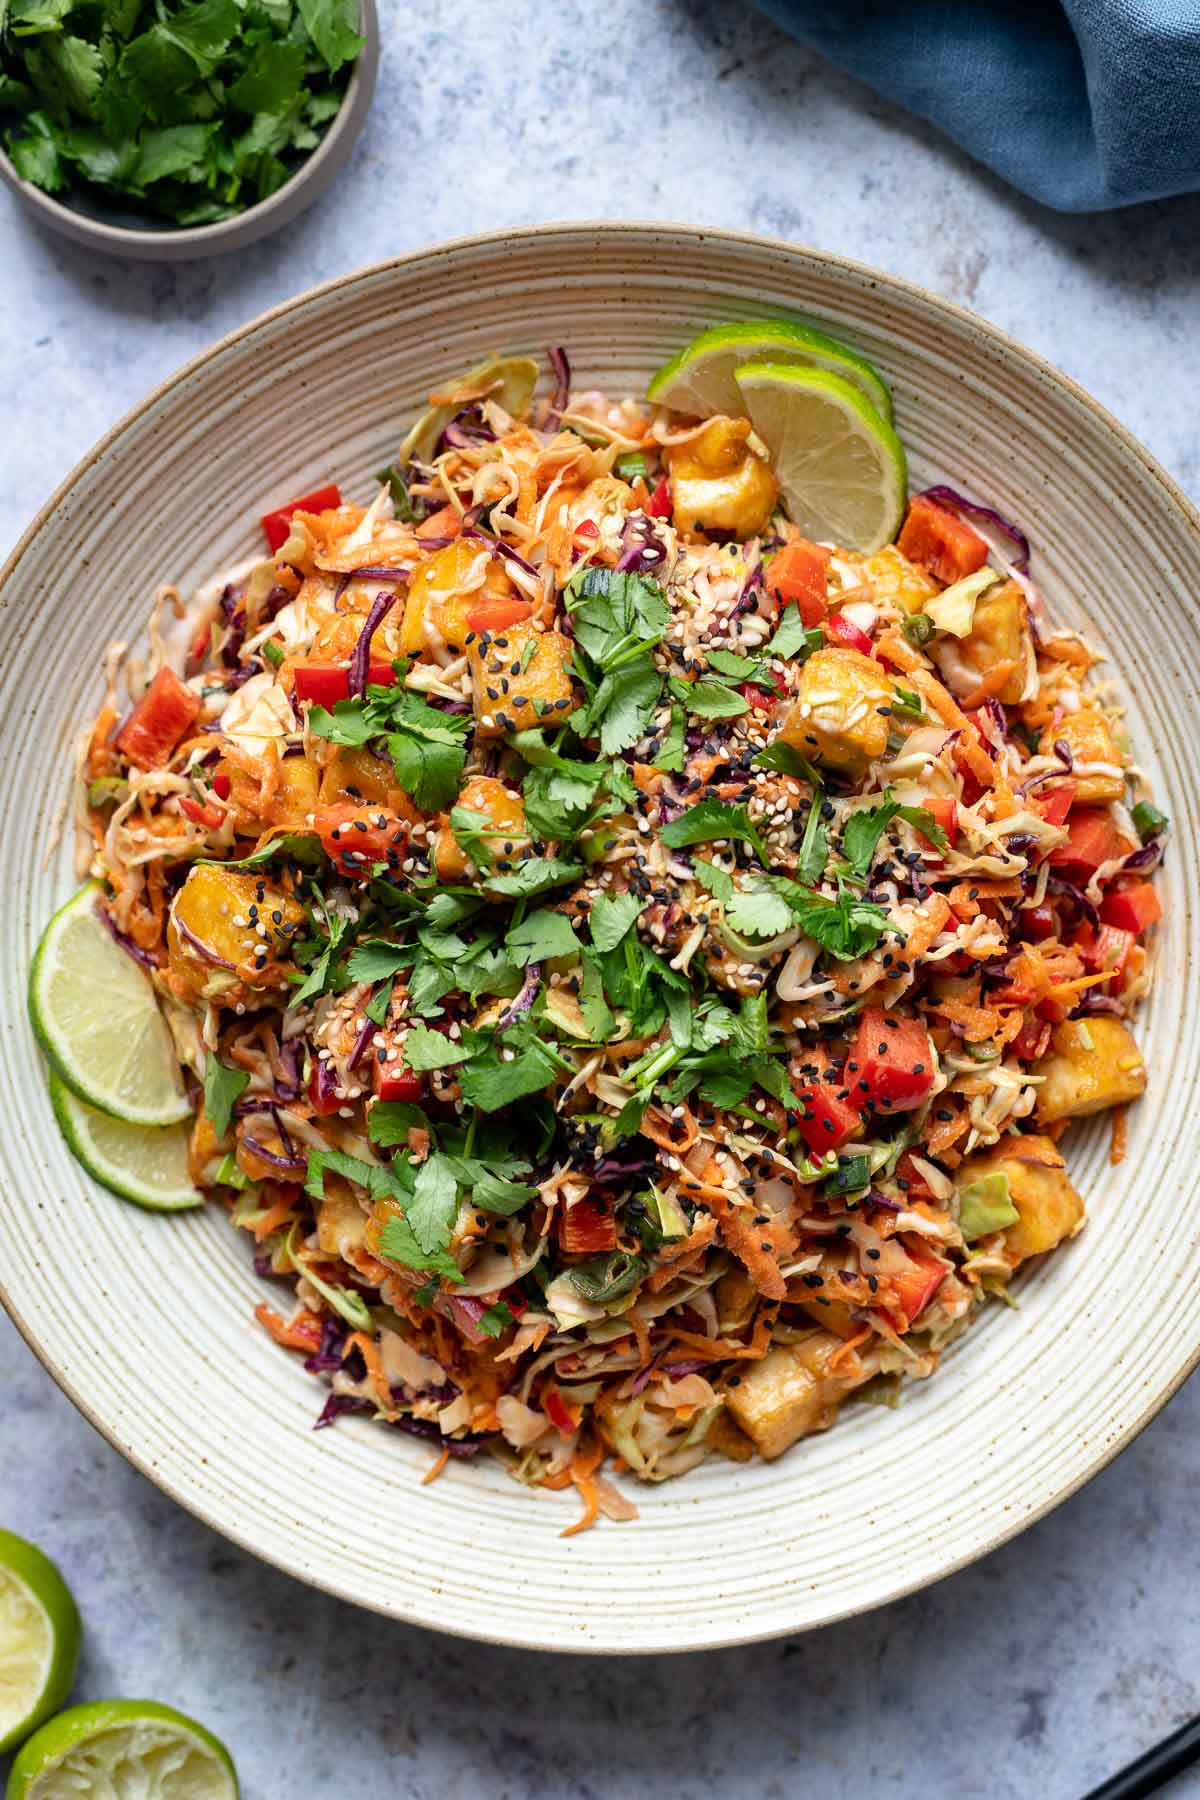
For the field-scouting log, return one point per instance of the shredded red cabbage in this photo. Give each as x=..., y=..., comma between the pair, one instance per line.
x=127, y=944
x=202, y=950
x=360, y=661
x=522, y=1001
x=366, y=1032
x=562, y=384
x=336, y=1405
x=288, y=1165
x=948, y=496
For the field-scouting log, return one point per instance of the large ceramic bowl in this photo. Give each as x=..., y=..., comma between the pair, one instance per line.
x=146, y=1321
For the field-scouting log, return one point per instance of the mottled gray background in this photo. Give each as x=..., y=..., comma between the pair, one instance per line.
x=1062, y=1655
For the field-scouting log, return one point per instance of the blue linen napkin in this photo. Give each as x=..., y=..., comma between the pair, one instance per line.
x=1083, y=104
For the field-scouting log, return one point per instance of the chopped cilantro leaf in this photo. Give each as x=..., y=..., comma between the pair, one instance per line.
x=425, y=1049
x=223, y=1088
x=612, y=915
x=793, y=638
x=713, y=821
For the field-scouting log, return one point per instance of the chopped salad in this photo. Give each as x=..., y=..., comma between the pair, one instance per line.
x=635, y=964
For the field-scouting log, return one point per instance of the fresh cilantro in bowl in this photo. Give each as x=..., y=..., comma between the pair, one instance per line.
x=188, y=113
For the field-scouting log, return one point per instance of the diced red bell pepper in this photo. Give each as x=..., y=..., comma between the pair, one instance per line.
x=1055, y=803
x=497, y=614
x=797, y=576
x=938, y=542
x=660, y=500
x=762, y=699
x=944, y=810
x=1111, y=951
x=356, y=838
x=208, y=816
x=1036, y=923
x=891, y=1063
x=588, y=1226
x=394, y=1082
x=587, y=528
x=829, y=1109
x=1131, y=907
x=841, y=630
x=1032, y=1041
x=165, y=713
x=222, y=787
x=444, y=523
x=914, y=1185
x=911, y=1288
x=327, y=683
x=278, y=524
x=559, y=1413
x=1092, y=839
x=515, y=1301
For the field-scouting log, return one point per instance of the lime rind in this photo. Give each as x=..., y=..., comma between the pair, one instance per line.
x=96, y=1018
x=39, y=1639
x=123, y=1746
x=146, y=1164
x=700, y=379
x=857, y=453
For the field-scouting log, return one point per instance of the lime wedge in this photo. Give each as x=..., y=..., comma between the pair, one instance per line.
x=98, y=1022
x=39, y=1639
x=147, y=1164
x=119, y=1749
x=700, y=379
x=840, y=466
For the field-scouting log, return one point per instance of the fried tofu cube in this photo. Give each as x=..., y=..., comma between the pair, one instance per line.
x=292, y=802
x=213, y=942
x=788, y=1395
x=893, y=577
x=835, y=719
x=341, y=1221
x=1088, y=736
x=445, y=589
x=719, y=484
x=520, y=677
x=1038, y=1186
x=1091, y=1064
x=997, y=635
x=504, y=810
x=361, y=777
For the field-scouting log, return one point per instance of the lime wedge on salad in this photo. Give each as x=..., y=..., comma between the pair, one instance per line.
x=143, y=1163
x=112, y=1748
x=839, y=463
x=98, y=1022
x=701, y=379
x=39, y=1639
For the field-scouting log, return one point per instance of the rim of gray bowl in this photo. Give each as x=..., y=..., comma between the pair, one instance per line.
x=162, y=244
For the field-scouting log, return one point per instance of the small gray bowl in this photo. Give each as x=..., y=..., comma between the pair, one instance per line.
x=123, y=234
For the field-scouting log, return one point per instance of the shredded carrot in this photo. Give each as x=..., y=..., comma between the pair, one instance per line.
x=992, y=682
x=435, y=1469
x=1120, y=1135
x=1067, y=650
x=931, y=922
x=273, y=1218
x=893, y=648
x=358, y=1340
x=847, y=1348
x=301, y=1333
x=674, y=1135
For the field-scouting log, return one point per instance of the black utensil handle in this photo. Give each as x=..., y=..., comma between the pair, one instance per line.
x=1149, y=1772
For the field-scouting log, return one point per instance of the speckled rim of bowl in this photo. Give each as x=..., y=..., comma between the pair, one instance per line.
x=1003, y=345
x=162, y=244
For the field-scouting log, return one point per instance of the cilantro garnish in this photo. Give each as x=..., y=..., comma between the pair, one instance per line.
x=709, y=699
x=192, y=112
x=712, y=821
x=223, y=1088
x=863, y=830
x=612, y=915
x=847, y=927
x=793, y=638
